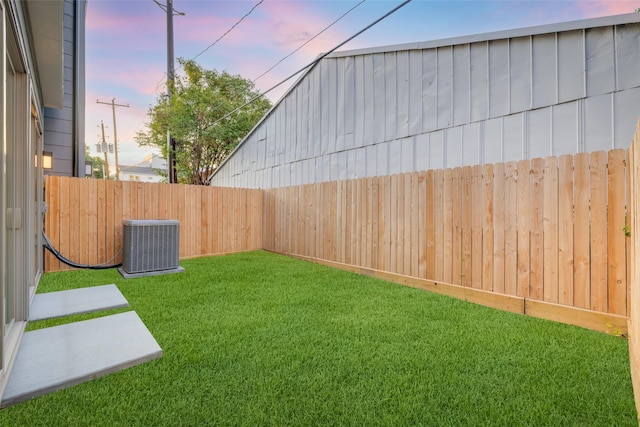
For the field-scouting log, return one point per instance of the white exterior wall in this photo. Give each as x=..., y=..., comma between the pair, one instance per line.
x=460, y=102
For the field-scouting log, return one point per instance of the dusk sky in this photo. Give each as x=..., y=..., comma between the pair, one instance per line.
x=126, y=42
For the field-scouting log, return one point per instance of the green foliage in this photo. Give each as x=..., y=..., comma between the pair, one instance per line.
x=261, y=339
x=97, y=164
x=199, y=99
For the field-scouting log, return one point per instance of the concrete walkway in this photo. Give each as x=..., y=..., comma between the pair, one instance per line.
x=76, y=301
x=58, y=357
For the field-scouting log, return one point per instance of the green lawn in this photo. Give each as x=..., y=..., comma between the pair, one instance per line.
x=261, y=339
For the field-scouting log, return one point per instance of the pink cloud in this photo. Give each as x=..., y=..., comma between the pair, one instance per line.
x=596, y=8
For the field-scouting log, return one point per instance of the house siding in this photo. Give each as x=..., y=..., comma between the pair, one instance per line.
x=559, y=90
x=64, y=128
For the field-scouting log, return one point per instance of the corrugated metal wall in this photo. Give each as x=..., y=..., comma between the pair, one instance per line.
x=381, y=113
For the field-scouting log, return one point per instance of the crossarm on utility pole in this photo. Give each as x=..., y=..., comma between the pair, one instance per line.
x=115, y=131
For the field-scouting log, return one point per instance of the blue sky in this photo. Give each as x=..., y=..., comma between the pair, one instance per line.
x=126, y=42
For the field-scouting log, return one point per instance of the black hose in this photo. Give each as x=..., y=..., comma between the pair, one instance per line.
x=47, y=244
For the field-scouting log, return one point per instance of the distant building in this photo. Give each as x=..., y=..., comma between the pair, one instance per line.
x=151, y=169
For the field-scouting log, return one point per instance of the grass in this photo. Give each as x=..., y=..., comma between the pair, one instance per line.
x=260, y=339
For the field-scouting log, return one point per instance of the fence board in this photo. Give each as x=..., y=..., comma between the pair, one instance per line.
x=598, y=192
x=550, y=229
x=536, y=255
x=439, y=214
x=524, y=228
x=476, y=227
x=487, y=227
x=430, y=224
x=466, y=209
x=582, y=233
x=565, y=230
x=447, y=226
x=617, y=274
x=511, y=229
x=498, y=228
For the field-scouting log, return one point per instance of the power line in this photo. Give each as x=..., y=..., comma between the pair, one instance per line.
x=229, y=30
x=308, y=41
x=314, y=62
x=215, y=42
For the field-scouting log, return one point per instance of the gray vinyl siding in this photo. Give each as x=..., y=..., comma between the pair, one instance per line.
x=428, y=106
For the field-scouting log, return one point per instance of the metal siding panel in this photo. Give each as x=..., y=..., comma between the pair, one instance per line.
x=350, y=172
x=498, y=78
x=539, y=133
x=422, y=151
x=372, y=159
x=600, y=61
x=628, y=55
x=303, y=119
x=461, y=84
x=570, y=66
x=315, y=111
x=436, y=150
x=564, y=129
x=360, y=106
x=270, y=141
x=597, y=123
x=408, y=154
x=471, y=144
x=415, y=92
x=333, y=167
x=310, y=170
x=291, y=124
x=395, y=156
x=349, y=101
x=544, y=70
x=361, y=162
x=513, y=143
x=281, y=142
x=520, y=74
x=453, y=151
x=342, y=166
x=378, y=98
x=390, y=91
x=299, y=179
x=340, y=105
x=429, y=90
x=403, y=94
x=445, y=76
x=335, y=109
x=324, y=107
x=479, y=81
x=382, y=156
x=626, y=113
x=369, y=91
x=493, y=135
x=262, y=152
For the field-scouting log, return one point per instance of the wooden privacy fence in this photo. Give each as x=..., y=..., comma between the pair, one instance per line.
x=634, y=265
x=84, y=217
x=534, y=236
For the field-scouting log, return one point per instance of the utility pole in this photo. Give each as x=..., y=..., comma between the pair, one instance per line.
x=115, y=132
x=171, y=143
x=104, y=150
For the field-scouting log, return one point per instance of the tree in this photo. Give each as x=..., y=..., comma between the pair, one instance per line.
x=199, y=100
x=97, y=164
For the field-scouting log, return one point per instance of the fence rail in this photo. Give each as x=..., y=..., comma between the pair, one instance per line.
x=551, y=230
x=84, y=217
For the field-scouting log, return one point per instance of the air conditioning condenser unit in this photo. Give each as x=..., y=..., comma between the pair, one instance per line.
x=150, y=247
